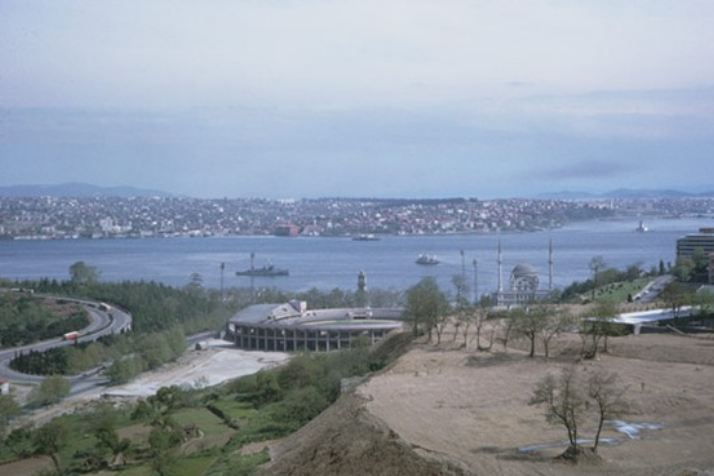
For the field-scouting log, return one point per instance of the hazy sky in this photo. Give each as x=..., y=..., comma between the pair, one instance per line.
x=311, y=98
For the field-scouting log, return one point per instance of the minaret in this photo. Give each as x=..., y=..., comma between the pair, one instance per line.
x=500, y=269
x=361, y=297
x=550, y=264
x=362, y=282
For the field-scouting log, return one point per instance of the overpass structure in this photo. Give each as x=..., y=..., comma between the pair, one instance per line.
x=104, y=320
x=640, y=318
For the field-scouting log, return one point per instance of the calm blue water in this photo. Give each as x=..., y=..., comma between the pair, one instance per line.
x=334, y=262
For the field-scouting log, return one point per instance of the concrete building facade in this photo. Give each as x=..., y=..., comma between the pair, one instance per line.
x=704, y=239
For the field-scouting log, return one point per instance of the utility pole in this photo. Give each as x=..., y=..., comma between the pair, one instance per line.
x=550, y=265
x=223, y=268
x=476, y=299
x=464, y=297
x=500, y=269
x=252, y=278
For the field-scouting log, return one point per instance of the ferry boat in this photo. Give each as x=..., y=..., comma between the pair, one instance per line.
x=427, y=260
x=365, y=237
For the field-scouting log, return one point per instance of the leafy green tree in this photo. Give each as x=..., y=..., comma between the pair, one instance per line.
x=425, y=304
x=51, y=390
x=700, y=260
x=675, y=296
x=300, y=406
x=168, y=399
x=124, y=369
x=108, y=441
x=20, y=442
x=683, y=269
x=50, y=439
x=9, y=409
x=267, y=388
x=704, y=300
x=82, y=274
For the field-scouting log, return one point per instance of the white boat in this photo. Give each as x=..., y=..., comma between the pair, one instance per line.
x=642, y=228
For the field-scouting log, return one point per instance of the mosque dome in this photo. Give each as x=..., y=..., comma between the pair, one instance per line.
x=524, y=269
x=524, y=278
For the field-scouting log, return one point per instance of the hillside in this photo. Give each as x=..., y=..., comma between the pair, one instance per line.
x=449, y=411
x=77, y=190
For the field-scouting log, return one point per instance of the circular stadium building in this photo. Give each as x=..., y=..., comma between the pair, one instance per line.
x=291, y=327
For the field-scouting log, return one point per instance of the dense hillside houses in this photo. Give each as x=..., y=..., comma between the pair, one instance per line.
x=101, y=217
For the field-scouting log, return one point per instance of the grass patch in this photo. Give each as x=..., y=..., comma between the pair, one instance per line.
x=618, y=292
x=202, y=418
x=239, y=465
x=194, y=466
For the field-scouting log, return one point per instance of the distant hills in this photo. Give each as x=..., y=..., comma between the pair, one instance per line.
x=77, y=190
x=624, y=193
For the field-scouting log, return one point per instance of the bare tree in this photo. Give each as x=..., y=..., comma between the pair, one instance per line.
x=479, y=319
x=565, y=403
x=508, y=325
x=608, y=395
x=530, y=324
x=597, y=327
x=458, y=321
x=596, y=265
x=467, y=320
x=556, y=321
x=442, y=322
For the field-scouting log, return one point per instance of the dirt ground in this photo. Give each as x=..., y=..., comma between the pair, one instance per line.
x=27, y=466
x=219, y=363
x=467, y=412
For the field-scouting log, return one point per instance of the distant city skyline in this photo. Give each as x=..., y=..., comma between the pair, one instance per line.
x=358, y=98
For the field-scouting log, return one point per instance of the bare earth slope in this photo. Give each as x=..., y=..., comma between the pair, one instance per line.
x=448, y=411
x=347, y=440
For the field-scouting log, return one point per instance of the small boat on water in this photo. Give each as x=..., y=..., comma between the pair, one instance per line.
x=267, y=271
x=365, y=237
x=642, y=228
x=427, y=260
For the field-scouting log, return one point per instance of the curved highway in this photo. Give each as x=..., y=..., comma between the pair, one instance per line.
x=102, y=323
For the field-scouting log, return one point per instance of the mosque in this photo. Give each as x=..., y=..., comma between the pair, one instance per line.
x=524, y=282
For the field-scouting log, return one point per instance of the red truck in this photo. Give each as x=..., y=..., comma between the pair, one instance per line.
x=74, y=335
